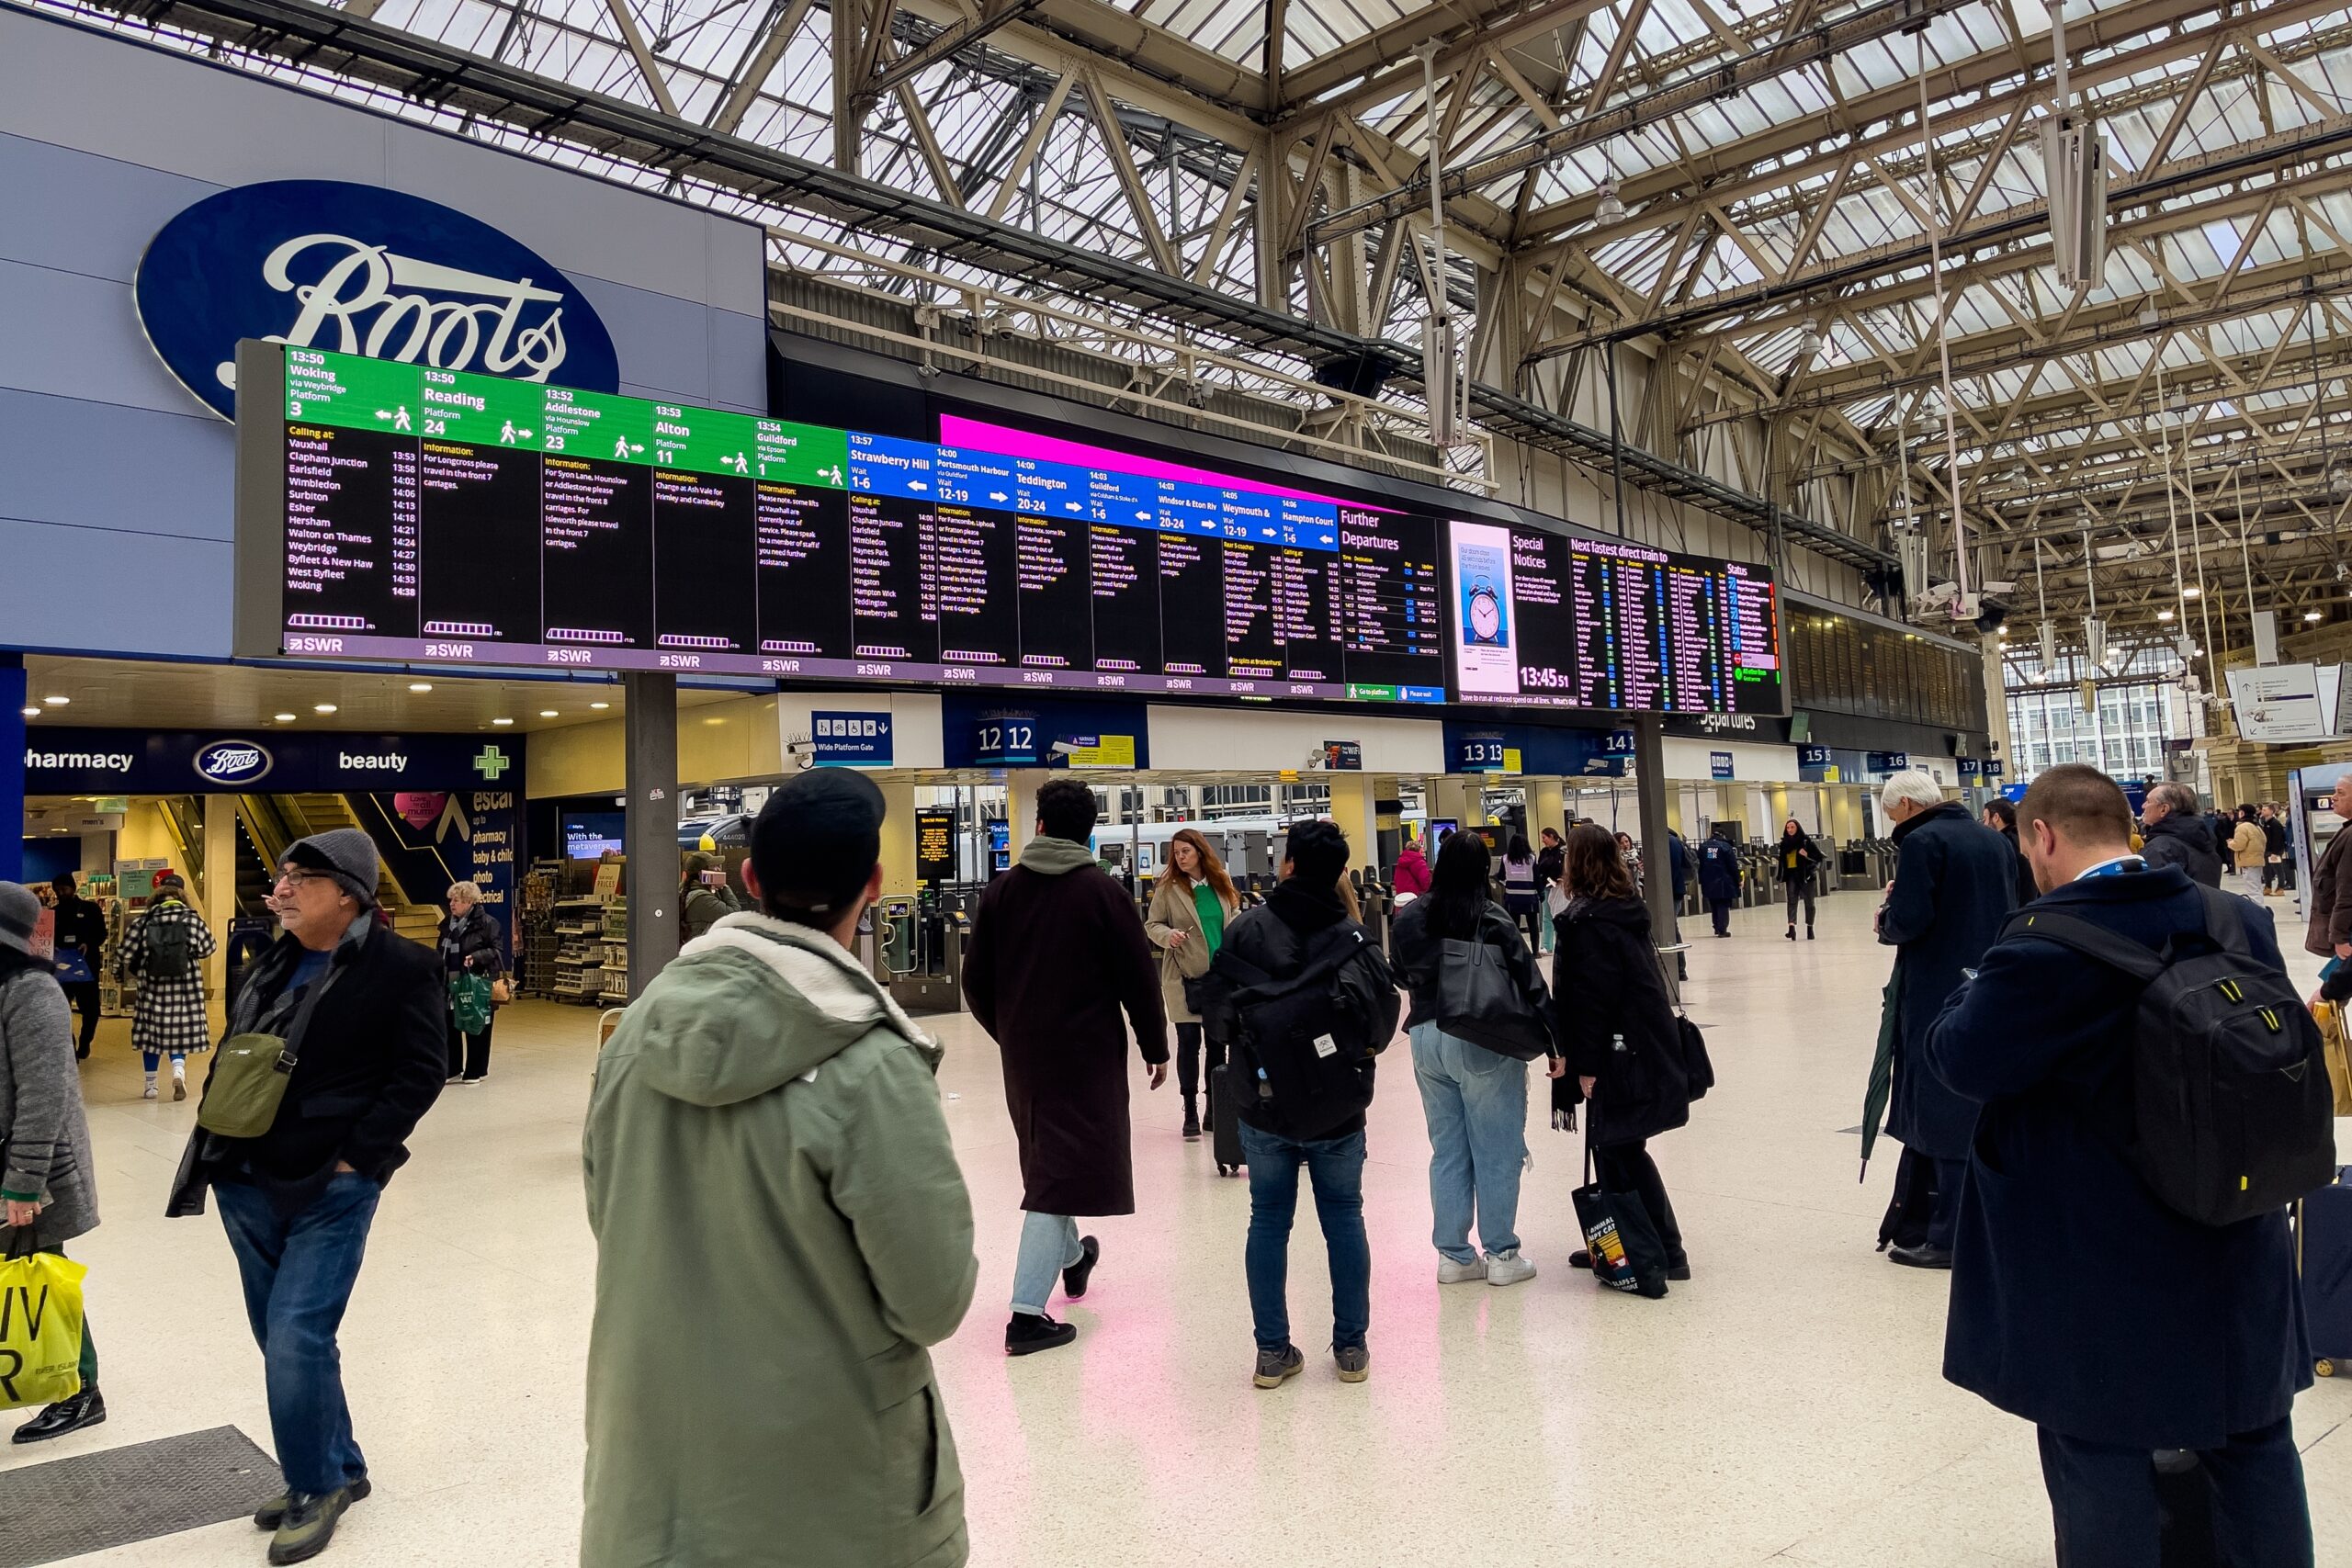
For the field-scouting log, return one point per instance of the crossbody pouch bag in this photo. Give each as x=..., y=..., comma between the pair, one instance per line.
x=250, y=1071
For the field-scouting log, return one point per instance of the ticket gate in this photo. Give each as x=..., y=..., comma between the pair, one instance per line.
x=919, y=949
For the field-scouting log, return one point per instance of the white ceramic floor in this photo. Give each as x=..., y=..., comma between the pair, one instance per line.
x=1785, y=1407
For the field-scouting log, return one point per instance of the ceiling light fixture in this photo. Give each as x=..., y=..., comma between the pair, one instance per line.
x=1809, y=340
x=420, y=685
x=57, y=702
x=2190, y=592
x=502, y=721
x=33, y=712
x=600, y=707
x=322, y=707
x=547, y=712
x=284, y=717
x=2164, y=614
x=1611, y=209
x=2311, y=615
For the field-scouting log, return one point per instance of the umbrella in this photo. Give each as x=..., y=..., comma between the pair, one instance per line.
x=1881, y=1083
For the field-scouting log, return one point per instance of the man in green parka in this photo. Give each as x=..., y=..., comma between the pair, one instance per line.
x=781, y=1229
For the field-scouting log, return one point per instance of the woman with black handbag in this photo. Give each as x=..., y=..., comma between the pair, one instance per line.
x=1619, y=1032
x=1480, y=1014
x=1189, y=905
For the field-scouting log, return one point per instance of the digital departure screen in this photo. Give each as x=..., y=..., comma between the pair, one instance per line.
x=431, y=516
x=1546, y=620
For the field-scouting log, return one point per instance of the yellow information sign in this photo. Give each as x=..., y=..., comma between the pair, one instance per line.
x=1108, y=752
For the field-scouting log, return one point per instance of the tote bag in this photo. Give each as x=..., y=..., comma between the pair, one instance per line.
x=41, y=1327
x=1618, y=1234
x=1477, y=1001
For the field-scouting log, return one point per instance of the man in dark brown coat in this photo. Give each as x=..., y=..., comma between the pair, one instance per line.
x=2330, y=930
x=1058, y=950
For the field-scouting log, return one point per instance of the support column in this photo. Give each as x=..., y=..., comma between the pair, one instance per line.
x=12, y=767
x=650, y=832
x=1352, y=809
x=1021, y=787
x=898, y=834
x=1547, y=804
x=219, y=884
x=1649, y=793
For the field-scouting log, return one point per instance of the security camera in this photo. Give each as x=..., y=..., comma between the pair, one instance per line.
x=801, y=753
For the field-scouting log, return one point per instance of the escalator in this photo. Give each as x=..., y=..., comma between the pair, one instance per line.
x=268, y=823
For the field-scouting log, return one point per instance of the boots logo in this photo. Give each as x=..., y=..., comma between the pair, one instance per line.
x=233, y=762
x=321, y=264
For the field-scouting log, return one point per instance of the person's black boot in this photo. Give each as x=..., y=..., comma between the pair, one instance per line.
x=1192, y=1120
x=1074, y=1278
x=71, y=1413
x=1808, y=930
x=1792, y=933
x=1920, y=1257
x=1030, y=1332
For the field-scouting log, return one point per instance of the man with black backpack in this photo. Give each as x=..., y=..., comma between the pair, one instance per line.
x=2123, y=1275
x=1307, y=1001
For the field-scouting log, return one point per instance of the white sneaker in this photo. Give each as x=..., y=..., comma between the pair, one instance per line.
x=1509, y=1267
x=1449, y=1272
x=151, y=1090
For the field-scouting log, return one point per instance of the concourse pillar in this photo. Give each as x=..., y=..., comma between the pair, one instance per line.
x=1352, y=809
x=898, y=834
x=1547, y=804
x=1021, y=787
x=12, y=767
x=220, y=890
x=1649, y=795
x=649, y=830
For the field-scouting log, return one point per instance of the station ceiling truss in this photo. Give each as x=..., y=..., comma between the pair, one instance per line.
x=1821, y=227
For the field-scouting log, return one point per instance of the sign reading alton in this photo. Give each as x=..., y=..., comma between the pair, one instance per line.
x=357, y=269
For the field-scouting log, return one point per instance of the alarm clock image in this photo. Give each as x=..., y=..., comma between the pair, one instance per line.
x=1482, y=613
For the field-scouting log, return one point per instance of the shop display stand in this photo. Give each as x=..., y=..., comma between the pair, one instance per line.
x=616, y=950
x=577, y=927
x=536, y=944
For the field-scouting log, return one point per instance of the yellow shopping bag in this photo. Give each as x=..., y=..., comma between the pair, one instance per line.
x=2338, y=1058
x=40, y=1330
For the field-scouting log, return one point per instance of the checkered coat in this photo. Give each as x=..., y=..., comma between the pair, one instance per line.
x=169, y=1014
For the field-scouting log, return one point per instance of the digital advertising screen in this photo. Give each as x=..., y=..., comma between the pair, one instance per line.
x=400, y=512
x=1547, y=620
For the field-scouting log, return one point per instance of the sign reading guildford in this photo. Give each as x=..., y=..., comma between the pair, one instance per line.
x=396, y=511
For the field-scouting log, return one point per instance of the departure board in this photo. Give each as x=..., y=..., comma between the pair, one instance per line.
x=434, y=515
x=1549, y=620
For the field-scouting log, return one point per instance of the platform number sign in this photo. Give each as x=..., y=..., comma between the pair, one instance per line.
x=1479, y=754
x=1617, y=743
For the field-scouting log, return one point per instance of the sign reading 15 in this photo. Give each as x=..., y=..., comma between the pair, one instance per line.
x=1013, y=737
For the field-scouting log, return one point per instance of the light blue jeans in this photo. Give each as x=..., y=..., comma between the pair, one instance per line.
x=1048, y=1244
x=1477, y=1103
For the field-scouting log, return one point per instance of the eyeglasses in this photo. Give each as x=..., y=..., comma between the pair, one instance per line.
x=296, y=878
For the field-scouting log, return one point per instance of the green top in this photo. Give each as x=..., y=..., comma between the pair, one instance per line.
x=1212, y=913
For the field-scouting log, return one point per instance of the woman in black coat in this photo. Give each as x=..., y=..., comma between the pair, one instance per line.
x=1617, y=1028
x=1795, y=861
x=469, y=945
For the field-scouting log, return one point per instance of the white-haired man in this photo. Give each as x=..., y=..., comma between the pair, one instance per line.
x=1955, y=883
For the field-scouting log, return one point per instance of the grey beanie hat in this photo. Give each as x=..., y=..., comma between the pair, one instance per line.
x=345, y=854
x=19, y=912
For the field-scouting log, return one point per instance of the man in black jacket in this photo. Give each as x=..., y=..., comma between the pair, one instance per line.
x=2278, y=866
x=2176, y=836
x=1302, y=923
x=81, y=927
x=364, y=1014
x=1955, y=883
x=2067, y=1265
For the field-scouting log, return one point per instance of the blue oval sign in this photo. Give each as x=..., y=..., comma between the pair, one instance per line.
x=323, y=263
x=233, y=762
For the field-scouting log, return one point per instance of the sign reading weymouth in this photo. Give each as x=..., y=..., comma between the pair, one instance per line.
x=324, y=264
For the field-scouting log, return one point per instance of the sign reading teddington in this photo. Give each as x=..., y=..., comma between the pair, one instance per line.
x=325, y=264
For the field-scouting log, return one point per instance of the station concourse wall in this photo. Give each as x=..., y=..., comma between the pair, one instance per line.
x=116, y=483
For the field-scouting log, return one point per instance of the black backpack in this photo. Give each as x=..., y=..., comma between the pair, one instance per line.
x=2232, y=1112
x=171, y=948
x=1307, y=1040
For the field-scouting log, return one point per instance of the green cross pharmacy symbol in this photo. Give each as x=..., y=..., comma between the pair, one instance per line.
x=491, y=762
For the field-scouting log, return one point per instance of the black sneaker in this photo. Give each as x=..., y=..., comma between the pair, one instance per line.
x=1579, y=1258
x=1030, y=1332
x=307, y=1526
x=1277, y=1367
x=272, y=1514
x=1075, y=1277
x=71, y=1413
x=1192, y=1122
x=1354, y=1361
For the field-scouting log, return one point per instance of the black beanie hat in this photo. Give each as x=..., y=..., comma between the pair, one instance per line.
x=815, y=844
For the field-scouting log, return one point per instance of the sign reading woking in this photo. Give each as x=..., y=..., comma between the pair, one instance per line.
x=325, y=264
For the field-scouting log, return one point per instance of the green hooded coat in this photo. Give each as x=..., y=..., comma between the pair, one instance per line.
x=781, y=1229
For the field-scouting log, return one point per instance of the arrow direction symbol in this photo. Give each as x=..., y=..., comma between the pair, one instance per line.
x=998, y=495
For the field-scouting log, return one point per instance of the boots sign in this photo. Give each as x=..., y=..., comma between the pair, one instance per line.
x=322, y=264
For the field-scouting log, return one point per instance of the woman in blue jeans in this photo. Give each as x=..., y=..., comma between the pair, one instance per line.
x=1476, y=1095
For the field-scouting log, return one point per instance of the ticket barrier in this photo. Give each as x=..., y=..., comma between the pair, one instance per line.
x=921, y=947
x=1377, y=902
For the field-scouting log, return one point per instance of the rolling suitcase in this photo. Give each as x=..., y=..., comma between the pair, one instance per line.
x=1224, y=1132
x=2324, y=1255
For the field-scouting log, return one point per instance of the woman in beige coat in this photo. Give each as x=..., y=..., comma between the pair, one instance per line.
x=1190, y=907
